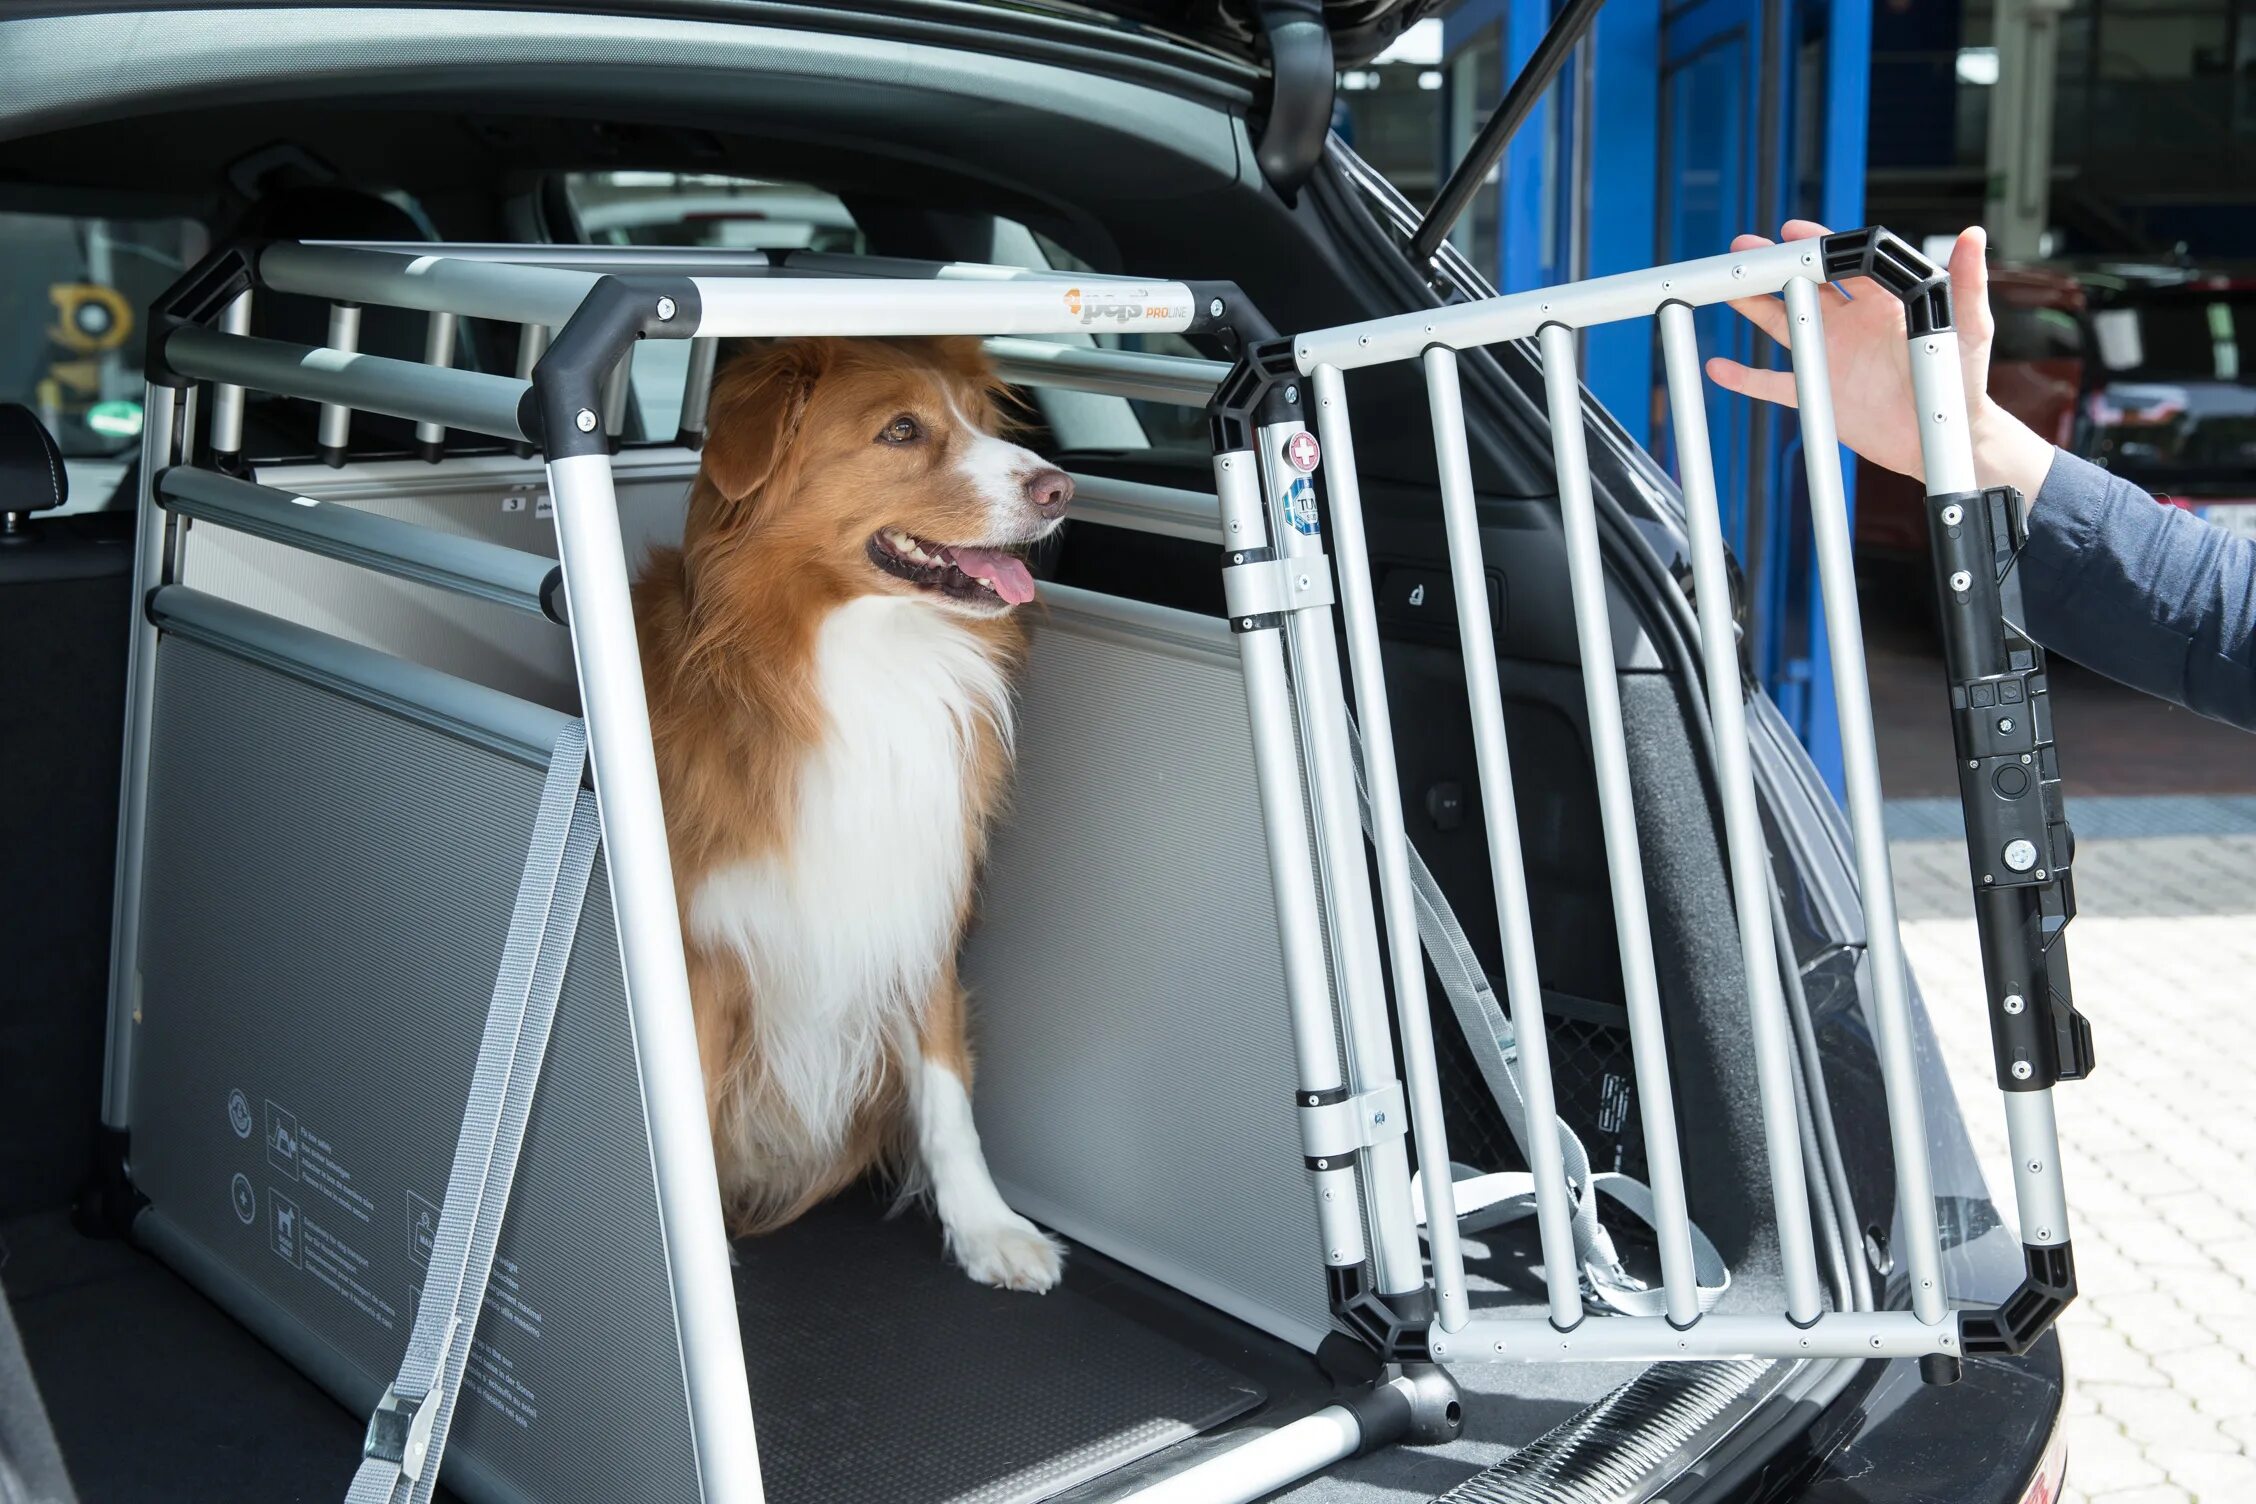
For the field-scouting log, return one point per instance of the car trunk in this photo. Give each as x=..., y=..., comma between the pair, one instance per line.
x=867, y=1351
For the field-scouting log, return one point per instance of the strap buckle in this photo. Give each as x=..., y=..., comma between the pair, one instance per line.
x=399, y=1432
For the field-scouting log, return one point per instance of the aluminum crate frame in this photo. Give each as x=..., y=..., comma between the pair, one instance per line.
x=582, y=311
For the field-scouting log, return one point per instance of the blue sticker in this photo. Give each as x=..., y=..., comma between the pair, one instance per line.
x=1300, y=505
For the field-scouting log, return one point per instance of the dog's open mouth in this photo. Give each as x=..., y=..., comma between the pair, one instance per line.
x=960, y=570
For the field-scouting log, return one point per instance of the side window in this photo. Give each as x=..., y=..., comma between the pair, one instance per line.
x=72, y=294
x=2025, y=333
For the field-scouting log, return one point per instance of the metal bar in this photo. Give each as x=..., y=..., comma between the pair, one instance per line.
x=697, y=391
x=1144, y=508
x=467, y=566
x=1500, y=815
x=618, y=386
x=2040, y=1197
x=1618, y=816
x=160, y=419
x=1748, y=852
x=1946, y=450
x=1258, y=1468
x=1558, y=43
x=1421, y=1072
x=227, y=400
x=371, y=383
x=1398, y=1264
x=1292, y=868
x=1603, y=300
x=435, y=283
x=1115, y=373
x=1860, y=764
x=848, y=307
x=649, y=260
x=532, y=344
x=657, y=978
x=1820, y=1102
x=438, y=352
x=1654, y=1339
x=335, y=429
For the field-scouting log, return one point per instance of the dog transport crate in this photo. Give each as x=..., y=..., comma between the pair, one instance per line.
x=359, y=887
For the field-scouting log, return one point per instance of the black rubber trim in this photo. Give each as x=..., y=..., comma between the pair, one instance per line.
x=1342, y=1161
x=1324, y=1098
x=568, y=380
x=2022, y=1317
x=1940, y=1369
x=333, y=455
x=552, y=595
x=1383, y=1415
x=1888, y=259
x=1265, y=621
x=1237, y=558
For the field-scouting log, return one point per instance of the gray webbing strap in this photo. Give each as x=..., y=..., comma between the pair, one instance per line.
x=1486, y=1201
x=408, y=1432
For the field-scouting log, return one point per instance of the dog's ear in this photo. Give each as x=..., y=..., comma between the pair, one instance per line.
x=755, y=413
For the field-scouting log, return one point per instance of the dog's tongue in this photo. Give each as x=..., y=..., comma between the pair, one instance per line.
x=1006, y=572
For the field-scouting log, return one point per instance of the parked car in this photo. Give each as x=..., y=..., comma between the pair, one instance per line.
x=1136, y=139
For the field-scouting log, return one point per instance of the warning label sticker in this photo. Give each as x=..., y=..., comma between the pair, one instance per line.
x=335, y=1263
x=284, y=1226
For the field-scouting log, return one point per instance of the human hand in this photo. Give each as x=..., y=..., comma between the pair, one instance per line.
x=1871, y=370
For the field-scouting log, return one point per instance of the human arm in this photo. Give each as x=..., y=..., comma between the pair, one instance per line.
x=2144, y=593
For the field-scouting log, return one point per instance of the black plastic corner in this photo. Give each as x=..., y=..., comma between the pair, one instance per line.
x=1262, y=388
x=1226, y=315
x=2022, y=1317
x=200, y=295
x=565, y=405
x=1392, y=1327
x=1888, y=259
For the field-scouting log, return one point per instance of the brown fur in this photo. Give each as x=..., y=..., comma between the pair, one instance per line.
x=790, y=491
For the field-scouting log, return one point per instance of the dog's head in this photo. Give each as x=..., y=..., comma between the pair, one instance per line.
x=874, y=464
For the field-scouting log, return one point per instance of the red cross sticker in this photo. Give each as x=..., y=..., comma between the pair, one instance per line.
x=1302, y=450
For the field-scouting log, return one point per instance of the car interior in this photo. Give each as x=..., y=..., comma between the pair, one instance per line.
x=851, y=1319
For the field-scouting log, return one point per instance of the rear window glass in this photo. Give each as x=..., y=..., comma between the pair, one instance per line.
x=2188, y=335
x=705, y=209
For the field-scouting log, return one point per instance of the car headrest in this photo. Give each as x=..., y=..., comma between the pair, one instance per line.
x=32, y=477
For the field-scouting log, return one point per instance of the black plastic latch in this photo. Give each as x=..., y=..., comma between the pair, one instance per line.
x=2018, y=842
x=563, y=411
x=2022, y=1317
x=1224, y=313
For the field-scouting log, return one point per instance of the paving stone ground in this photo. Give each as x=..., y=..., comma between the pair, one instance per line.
x=2159, y=1149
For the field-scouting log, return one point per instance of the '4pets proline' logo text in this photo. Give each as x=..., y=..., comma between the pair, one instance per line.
x=1121, y=306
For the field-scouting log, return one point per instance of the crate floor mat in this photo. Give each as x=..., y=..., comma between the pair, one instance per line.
x=880, y=1371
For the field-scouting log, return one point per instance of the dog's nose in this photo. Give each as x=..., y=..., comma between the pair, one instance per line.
x=1047, y=491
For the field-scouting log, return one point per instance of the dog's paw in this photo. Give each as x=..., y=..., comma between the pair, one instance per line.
x=1009, y=1253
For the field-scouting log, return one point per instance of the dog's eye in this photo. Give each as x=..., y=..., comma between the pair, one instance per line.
x=902, y=430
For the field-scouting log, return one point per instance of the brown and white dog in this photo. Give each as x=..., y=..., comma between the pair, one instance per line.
x=829, y=658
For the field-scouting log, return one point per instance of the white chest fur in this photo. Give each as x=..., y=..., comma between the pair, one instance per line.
x=843, y=933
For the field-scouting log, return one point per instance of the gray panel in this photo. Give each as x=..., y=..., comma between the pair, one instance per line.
x=500, y=502
x=329, y=889
x=1136, y=1066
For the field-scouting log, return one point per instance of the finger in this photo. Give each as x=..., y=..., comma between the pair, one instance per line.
x=1765, y=313
x=1970, y=285
x=1747, y=381
x=1750, y=243
x=1803, y=229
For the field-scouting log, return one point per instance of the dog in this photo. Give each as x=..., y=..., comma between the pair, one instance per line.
x=829, y=658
